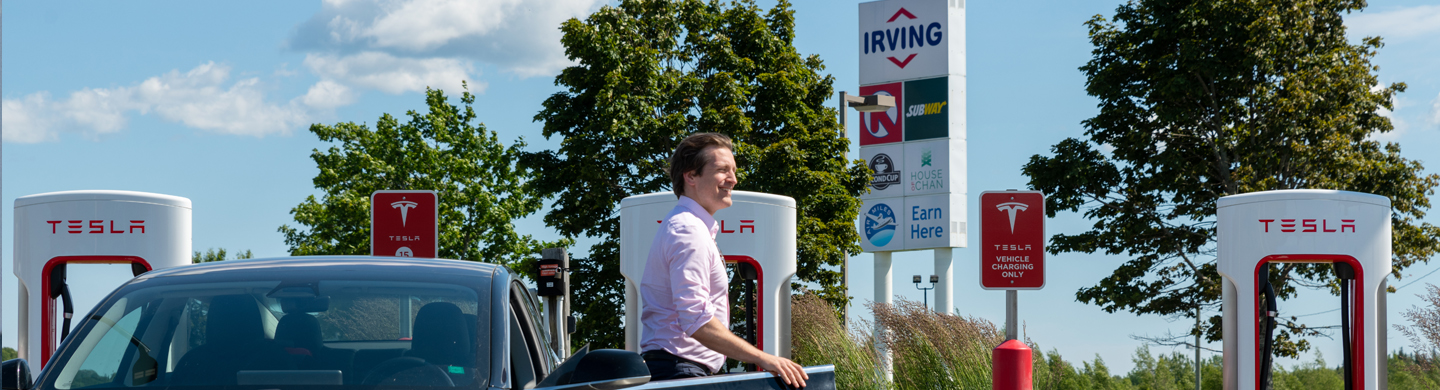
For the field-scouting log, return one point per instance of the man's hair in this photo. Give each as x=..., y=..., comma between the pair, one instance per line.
x=687, y=157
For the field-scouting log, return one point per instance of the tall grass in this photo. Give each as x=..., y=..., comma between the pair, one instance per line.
x=818, y=338
x=930, y=350
x=939, y=351
x=936, y=351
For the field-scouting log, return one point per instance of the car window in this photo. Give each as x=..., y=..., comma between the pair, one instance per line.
x=530, y=305
x=521, y=360
x=527, y=355
x=100, y=368
x=267, y=333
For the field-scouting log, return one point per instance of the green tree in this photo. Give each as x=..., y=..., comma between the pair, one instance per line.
x=8, y=353
x=445, y=150
x=652, y=72
x=212, y=254
x=1204, y=99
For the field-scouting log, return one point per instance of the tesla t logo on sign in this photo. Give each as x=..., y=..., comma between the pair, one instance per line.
x=1012, y=240
x=404, y=223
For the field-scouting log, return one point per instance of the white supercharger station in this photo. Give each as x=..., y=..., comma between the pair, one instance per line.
x=757, y=230
x=54, y=230
x=1303, y=226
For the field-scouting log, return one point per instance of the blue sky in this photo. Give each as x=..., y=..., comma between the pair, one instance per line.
x=212, y=100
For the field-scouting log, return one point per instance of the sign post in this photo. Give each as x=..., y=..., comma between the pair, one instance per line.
x=405, y=223
x=1012, y=257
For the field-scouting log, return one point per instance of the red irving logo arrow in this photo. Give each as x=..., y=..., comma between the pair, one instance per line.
x=900, y=63
x=902, y=11
x=897, y=14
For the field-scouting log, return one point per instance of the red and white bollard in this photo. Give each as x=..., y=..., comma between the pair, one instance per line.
x=1010, y=366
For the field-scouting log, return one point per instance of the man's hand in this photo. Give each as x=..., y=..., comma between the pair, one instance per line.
x=792, y=373
x=714, y=336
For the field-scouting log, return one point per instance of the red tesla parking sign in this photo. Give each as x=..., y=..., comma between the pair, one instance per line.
x=404, y=223
x=1012, y=240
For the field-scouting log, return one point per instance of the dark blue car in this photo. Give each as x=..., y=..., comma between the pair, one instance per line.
x=328, y=323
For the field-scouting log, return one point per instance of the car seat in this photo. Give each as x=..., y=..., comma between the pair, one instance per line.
x=234, y=340
x=299, y=334
x=440, y=336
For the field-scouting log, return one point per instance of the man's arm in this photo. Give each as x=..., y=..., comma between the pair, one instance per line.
x=714, y=336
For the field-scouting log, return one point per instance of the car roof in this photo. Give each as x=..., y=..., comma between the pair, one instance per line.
x=366, y=267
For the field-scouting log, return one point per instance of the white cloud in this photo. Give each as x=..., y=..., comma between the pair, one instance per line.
x=28, y=120
x=518, y=36
x=423, y=25
x=202, y=98
x=391, y=74
x=328, y=94
x=1418, y=21
x=1435, y=111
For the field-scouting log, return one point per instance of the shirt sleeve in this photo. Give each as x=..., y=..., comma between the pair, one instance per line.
x=689, y=269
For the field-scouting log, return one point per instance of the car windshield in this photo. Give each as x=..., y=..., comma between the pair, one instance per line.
x=321, y=333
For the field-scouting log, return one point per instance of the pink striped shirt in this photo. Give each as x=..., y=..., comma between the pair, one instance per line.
x=684, y=286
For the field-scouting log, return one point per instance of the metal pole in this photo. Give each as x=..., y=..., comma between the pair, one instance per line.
x=845, y=263
x=1011, y=318
x=552, y=315
x=1197, y=345
x=565, y=305
x=883, y=294
x=945, y=291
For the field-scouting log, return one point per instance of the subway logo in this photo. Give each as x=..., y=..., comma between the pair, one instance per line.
x=924, y=109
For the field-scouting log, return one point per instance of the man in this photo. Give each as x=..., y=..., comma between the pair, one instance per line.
x=686, y=320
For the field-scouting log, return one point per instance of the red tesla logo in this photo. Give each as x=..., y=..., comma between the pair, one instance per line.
x=1309, y=225
x=744, y=224
x=96, y=226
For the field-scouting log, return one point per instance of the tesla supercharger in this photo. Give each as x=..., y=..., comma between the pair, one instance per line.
x=58, y=229
x=1349, y=230
x=757, y=235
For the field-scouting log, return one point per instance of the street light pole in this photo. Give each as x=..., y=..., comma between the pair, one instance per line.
x=868, y=103
x=926, y=291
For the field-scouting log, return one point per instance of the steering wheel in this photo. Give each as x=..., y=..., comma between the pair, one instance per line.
x=407, y=371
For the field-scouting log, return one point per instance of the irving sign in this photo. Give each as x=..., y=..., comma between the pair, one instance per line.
x=910, y=39
x=404, y=223
x=914, y=51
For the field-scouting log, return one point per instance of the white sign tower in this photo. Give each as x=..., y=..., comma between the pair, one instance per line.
x=914, y=50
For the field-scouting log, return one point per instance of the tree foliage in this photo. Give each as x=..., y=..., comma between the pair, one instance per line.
x=1425, y=333
x=213, y=255
x=1204, y=99
x=652, y=72
x=444, y=149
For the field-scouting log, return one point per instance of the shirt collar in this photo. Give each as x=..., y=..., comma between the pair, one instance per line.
x=699, y=211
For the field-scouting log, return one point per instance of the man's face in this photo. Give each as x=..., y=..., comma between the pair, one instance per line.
x=710, y=186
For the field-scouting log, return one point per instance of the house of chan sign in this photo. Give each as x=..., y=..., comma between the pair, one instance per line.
x=914, y=50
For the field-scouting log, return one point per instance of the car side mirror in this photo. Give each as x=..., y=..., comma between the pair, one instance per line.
x=601, y=369
x=608, y=369
x=15, y=375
